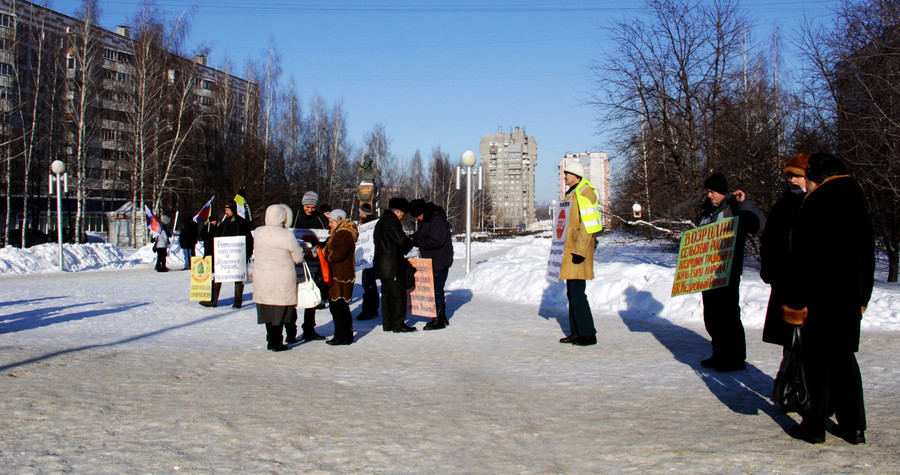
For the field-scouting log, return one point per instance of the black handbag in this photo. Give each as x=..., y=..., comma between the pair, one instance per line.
x=790, y=391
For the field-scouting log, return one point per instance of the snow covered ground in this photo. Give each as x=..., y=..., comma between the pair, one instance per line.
x=112, y=370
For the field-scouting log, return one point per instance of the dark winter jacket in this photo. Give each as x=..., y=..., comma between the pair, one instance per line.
x=750, y=221
x=207, y=234
x=776, y=267
x=188, y=237
x=835, y=244
x=391, y=245
x=433, y=238
x=236, y=226
x=316, y=220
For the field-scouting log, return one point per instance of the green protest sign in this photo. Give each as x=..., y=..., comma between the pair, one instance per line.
x=704, y=257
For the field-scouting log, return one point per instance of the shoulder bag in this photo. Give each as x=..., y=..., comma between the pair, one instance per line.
x=790, y=391
x=308, y=293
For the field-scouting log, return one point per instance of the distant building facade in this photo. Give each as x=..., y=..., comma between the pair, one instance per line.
x=42, y=47
x=509, y=160
x=596, y=170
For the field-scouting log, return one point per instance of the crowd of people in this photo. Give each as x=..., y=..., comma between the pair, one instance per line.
x=816, y=252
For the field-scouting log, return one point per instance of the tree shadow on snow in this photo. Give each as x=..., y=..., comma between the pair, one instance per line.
x=744, y=392
x=113, y=343
x=44, y=317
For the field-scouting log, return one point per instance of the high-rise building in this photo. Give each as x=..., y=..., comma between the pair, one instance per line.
x=596, y=170
x=509, y=160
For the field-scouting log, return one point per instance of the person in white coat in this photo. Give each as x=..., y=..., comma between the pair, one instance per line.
x=277, y=252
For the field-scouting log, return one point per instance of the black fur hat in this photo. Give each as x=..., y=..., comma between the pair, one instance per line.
x=823, y=166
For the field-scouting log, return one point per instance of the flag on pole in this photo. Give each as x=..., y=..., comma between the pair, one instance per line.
x=203, y=215
x=243, y=205
x=152, y=222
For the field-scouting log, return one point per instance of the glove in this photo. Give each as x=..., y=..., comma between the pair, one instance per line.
x=576, y=259
x=794, y=317
x=863, y=309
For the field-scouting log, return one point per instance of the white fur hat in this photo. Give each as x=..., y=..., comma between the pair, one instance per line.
x=574, y=168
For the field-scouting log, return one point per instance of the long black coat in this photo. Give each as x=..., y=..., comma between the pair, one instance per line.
x=237, y=226
x=391, y=245
x=835, y=244
x=776, y=267
x=433, y=238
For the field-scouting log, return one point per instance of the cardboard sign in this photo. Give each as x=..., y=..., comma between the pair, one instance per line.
x=704, y=257
x=201, y=278
x=365, y=245
x=231, y=258
x=420, y=300
x=558, y=245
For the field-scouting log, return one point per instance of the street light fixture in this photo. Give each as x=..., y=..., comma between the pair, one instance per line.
x=468, y=160
x=58, y=167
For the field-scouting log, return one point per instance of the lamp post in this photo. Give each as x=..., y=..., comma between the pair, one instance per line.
x=553, y=210
x=58, y=167
x=636, y=209
x=468, y=160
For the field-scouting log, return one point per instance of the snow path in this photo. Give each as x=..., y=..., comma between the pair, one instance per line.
x=116, y=372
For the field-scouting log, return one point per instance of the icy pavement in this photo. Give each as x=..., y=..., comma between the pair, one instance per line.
x=116, y=372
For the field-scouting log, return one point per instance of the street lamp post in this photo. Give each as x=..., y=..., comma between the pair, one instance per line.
x=58, y=168
x=636, y=210
x=468, y=160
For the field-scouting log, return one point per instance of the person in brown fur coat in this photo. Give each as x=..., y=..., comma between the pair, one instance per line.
x=340, y=251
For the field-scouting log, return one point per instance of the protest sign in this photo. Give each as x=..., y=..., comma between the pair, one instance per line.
x=231, y=258
x=558, y=244
x=201, y=278
x=365, y=245
x=420, y=300
x=704, y=257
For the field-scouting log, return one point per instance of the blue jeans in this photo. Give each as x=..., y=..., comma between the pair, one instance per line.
x=188, y=254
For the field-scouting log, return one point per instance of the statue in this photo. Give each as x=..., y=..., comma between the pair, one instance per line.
x=367, y=174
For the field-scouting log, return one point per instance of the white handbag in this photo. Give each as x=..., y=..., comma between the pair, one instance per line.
x=308, y=293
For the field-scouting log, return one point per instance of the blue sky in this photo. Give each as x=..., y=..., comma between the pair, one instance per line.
x=437, y=73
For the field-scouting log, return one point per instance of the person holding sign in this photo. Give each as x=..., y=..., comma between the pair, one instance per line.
x=369, y=285
x=275, y=276
x=721, y=306
x=578, y=254
x=340, y=250
x=231, y=225
x=434, y=241
x=835, y=243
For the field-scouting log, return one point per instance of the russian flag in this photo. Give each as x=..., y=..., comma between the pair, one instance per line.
x=152, y=222
x=203, y=215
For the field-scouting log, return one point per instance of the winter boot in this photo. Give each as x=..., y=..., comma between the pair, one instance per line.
x=437, y=323
x=239, y=295
x=214, y=301
x=369, y=306
x=273, y=337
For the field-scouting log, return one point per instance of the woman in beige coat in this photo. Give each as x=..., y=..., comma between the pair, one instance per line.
x=276, y=252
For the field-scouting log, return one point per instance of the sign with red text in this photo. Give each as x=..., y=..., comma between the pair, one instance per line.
x=560, y=228
x=704, y=257
x=420, y=300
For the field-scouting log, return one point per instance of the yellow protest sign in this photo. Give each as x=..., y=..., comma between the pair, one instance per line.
x=704, y=257
x=201, y=278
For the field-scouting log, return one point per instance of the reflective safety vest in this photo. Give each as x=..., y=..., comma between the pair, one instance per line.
x=590, y=212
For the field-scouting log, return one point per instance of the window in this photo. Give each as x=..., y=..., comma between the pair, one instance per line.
x=111, y=55
x=208, y=84
x=123, y=78
x=71, y=63
x=108, y=134
x=6, y=69
x=7, y=20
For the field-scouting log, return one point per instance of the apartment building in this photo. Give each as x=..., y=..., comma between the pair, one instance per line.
x=42, y=75
x=596, y=170
x=509, y=160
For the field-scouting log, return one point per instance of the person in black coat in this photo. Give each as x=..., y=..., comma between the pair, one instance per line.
x=312, y=218
x=391, y=245
x=776, y=267
x=835, y=243
x=187, y=239
x=369, y=285
x=232, y=225
x=208, y=234
x=721, y=306
x=434, y=242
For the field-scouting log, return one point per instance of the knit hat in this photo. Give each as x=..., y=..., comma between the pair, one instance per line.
x=716, y=182
x=365, y=209
x=823, y=166
x=417, y=208
x=324, y=208
x=310, y=198
x=337, y=215
x=232, y=205
x=399, y=204
x=574, y=168
x=796, y=165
